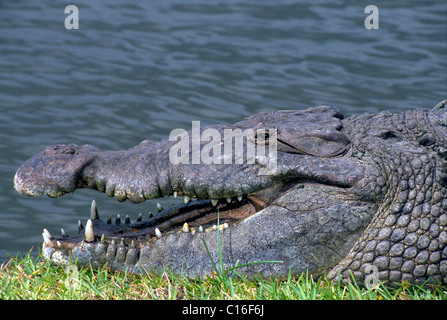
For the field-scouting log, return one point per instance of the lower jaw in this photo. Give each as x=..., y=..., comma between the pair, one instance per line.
x=195, y=216
x=203, y=217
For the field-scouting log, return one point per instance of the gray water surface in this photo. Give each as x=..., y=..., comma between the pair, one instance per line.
x=135, y=71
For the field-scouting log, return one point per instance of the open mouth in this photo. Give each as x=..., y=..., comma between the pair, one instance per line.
x=193, y=216
x=196, y=216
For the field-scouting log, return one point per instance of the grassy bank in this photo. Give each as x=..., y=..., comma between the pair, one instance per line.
x=27, y=277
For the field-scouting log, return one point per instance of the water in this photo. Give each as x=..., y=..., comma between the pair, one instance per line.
x=137, y=71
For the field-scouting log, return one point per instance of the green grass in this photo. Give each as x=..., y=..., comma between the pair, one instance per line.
x=28, y=277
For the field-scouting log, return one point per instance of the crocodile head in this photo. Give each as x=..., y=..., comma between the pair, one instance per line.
x=285, y=186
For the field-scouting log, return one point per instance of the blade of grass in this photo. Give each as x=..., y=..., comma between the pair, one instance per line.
x=222, y=274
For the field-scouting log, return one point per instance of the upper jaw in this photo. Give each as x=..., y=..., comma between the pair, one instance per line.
x=307, y=141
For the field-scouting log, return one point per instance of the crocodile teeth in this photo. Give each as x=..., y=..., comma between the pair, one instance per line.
x=59, y=244
x=228, y=200
x=80, y=226
x=109, y=221
x=186, y=199
x=103, y=238
x=175, y=194
x=94, y=211
x=64, y=234
x=140, y=217
x=185, y=227
x=200, y=229
x=159, y=207
x=47, y=237
x=89, y=235
x=127, y=219
x=118, y=218
x=239, y=198
x=157, y=233
x=214, y=202
x=215, y=227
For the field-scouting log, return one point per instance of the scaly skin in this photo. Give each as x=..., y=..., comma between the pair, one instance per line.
x=347, y=194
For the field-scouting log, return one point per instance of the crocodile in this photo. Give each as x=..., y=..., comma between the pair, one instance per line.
x=348, y=197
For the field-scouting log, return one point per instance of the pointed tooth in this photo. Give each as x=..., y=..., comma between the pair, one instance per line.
x=80, y=226
x=186, y=199
x=228, y=200
x=89, y=235
x=103, y=238
x=45, y=238
x=185, y=227
x=214, y=227
x=225, y=225
x=239, y=198
x=113, y=242
x=175, y=194
x=140, y=217
x=151, y=215
x=48, y=234
x=157, y=233
x=118, y=218
x=94, y=211
x=214, y=202
x=59, y=244
x=159, y=207
x=127, y=219
x=64, y=234
x=200, y=229
x=109, y=221
x=132, y=244
x=121, y=242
